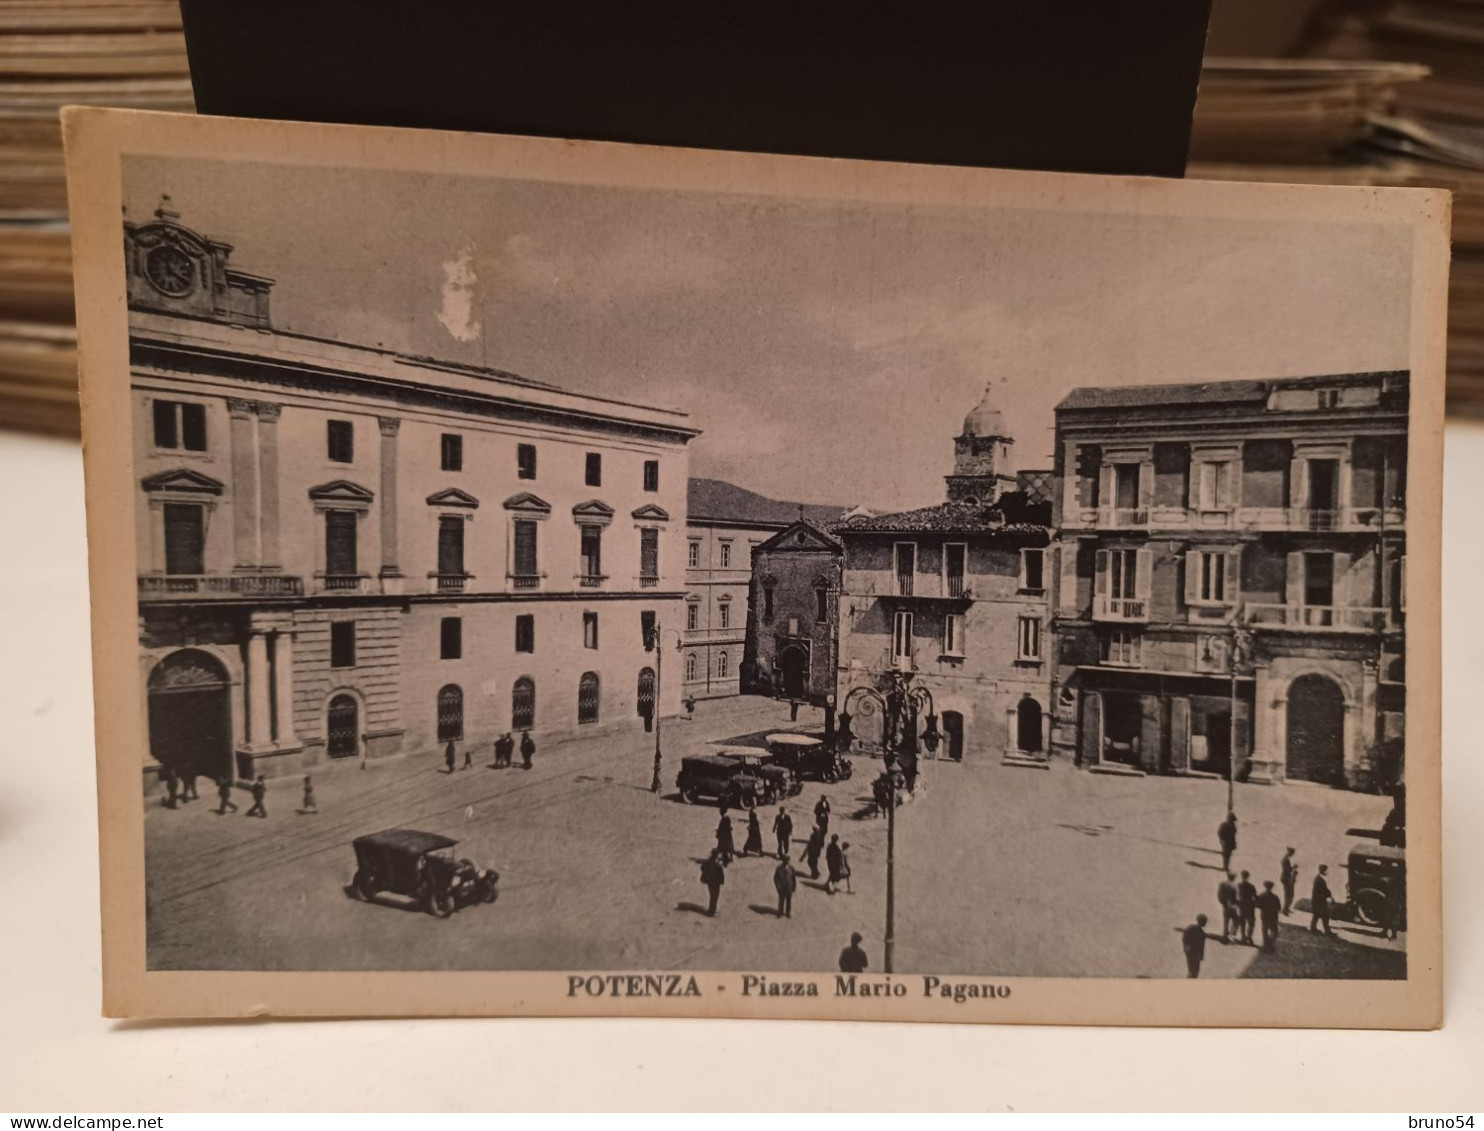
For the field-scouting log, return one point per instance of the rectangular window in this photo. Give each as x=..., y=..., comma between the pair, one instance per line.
x=1329, y=398
x=452, y=452
x=1122, y=573
x=451, y=638
x=340, y=441
x=724, y=615
x=793, y=626
x=1028, y=639
x=594, y=474
x=955, y=561
x=589, y=630
x=1122, y=648
x=525, y=550
x=905, y=554
x=1319, y=580
x=180, y=425
x=1033, y=569
x=1126, y=486
x=340, y=543
x=726, y=555
x=821, y=605
x=768, y=603
x=592, y=554
x=525, y=633
x=953, y=634
x=693, y=555
x=649, y=555
x=651, y=475
x=692, y=616
x=343, y=644
x=1211, y=577
x=525, y=461
x=646, y=630
x=450, y=546
x=1214, y=487
x=185, y=539
x=901, y=636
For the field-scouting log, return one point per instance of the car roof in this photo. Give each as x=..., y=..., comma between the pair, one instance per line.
x=709, y=759
x=789, y=738
x=407, y=840
x=1379, y=851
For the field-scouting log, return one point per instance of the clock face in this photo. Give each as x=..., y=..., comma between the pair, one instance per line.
x=171, y=270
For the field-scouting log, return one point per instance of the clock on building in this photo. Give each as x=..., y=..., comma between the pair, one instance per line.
x=170, y=270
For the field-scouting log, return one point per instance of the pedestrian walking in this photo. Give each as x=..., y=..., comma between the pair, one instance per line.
x=188, y=776
x=1269, y=906
x=845, y=866
x=1319, y=901
x=468, y=756
x=509, y=758
x=785, y=879
x=450, y=755
x=813, y=849
x=1193, y=941
x=713, y=875
x=1226, y=895
x=172, y=785
x=259, y=795
x=309, y=806
x=1247, y=907
x=853, y=958
x=834, y=861
x=724, y=844
x=822, y=813
x=224, y=794
x=754, y=842
x=783, y=831
x=527, y=749
x=1288, y=876
x=1226, y=836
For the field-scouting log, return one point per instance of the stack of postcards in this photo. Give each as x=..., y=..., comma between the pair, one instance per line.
x=55, y=53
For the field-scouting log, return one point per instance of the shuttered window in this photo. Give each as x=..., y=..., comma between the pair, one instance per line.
x=340, y=543
x=649, y=554
x=525, y=548
x=185, y=539
x=450, y=546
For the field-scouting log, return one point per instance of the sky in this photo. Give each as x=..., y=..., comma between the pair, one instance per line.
x=827, y=350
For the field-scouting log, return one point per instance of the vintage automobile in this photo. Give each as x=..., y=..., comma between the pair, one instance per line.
x=1378, y=883
x=805, y=756
x=737, y=780
x=422, y=866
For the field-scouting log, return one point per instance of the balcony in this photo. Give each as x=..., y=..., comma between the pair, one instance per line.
x=342, y=582
x=1122, y=609
x=1343, y=519
x=906, y=588
x=525, y=580
x=224, y=586
x=450, y=582
x=648, y=582
x=591, y=580
x=1321, y=618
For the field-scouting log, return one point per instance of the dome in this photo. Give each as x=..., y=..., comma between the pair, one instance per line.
x=984, y=419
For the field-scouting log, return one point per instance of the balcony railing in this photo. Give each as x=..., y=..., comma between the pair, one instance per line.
x=648, y=582
x=955, y=585
x=924, y=587
x=525, y=581
x=1304, y=618
x=1347, y=519
x=1121, y=518
x=1120, y=608
x=451, y=582
x=341, y=582
x=591, y=580
x=224, y=585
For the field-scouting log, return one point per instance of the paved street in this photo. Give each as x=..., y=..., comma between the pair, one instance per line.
x=1001, y=870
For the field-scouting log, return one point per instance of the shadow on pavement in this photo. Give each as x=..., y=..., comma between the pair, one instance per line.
x=693, y=907
x=1207, y=867
x=759, y=738
x=1302, y=953
x=762, y=910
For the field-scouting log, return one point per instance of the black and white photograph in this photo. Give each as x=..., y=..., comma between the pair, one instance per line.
x=621, y=566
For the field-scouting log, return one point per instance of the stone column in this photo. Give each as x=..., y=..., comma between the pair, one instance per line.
x=268, y=481
x=157, y=536
x=244, y=485
x=1012, y=731
x=283, y=689
x=389, y=569
x=258, y=729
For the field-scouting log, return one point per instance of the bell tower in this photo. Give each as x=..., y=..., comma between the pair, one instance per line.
x=981, y=457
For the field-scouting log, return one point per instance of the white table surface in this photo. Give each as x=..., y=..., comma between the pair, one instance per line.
x=58, y=1055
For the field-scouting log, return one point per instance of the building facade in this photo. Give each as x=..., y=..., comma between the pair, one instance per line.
x=956, y=595
x=347, y=553
x=792, y=642
x=1230, y=582
x=725, y=524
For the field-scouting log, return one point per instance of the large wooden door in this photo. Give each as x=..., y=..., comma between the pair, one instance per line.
x=1316, y=730
x=190, y=714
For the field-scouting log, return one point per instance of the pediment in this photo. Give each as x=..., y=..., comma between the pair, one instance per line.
x=527, y=503
x=801, y=537
x=452, y=497
x=653, y=513
x=340, y=491
x=183, y=479
x=593, y=508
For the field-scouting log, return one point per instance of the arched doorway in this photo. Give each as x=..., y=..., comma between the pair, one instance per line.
x=587, y=698
x=451, y=713
x=190, y=714
x=523, y=704
x=343, y=727
x=953, y=734
x=793, y=670
x=646, y=697
x=1316, y=730
x=1028, y=726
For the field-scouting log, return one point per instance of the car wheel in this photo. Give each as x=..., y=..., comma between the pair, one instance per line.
x=440, y=905
x=830, y=777
x=363, y=886
x=491, y=892
x=689, y=796
x=749, y=801
x=1370, y=907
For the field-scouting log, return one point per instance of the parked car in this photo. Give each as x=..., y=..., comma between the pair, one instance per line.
x=805, y=756
x=738, y=781
x=1377, y=882
x=421, y=866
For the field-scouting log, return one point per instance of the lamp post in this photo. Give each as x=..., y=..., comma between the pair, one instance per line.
x=659, y=667
x=1240, y=649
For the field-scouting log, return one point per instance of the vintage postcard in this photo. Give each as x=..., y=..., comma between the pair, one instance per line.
x=543, y=577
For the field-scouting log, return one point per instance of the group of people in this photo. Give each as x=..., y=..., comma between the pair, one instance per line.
x=180, y=787
x=785, y=877
x=504, y=752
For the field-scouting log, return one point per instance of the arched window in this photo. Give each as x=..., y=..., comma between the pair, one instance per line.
x=523, y=704
x=343, y=725
x=721, y=665
x=646, y=693
x=450, y=714
x=587, y=698
x=690, y=667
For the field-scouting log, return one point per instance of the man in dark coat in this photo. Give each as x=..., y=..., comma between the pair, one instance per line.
x=834, y=862
x=1193, y=940
x=1268, y=908
x=527, y=749
x=754, y=841
x=783, y=830
x=259, y=795
x=813, y=848
x=1319, y=901
x=1226, y=895
x=1226, y=836
x=1288, y=875
x=1247, y=907
x=450, y=756
x=853, y=958
x=785, y=879
x=188, y=776
x=713, y=875
x=224, y=792
x=822, y=813
x=725, y=847
x=172, y=785
x=468, y=756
